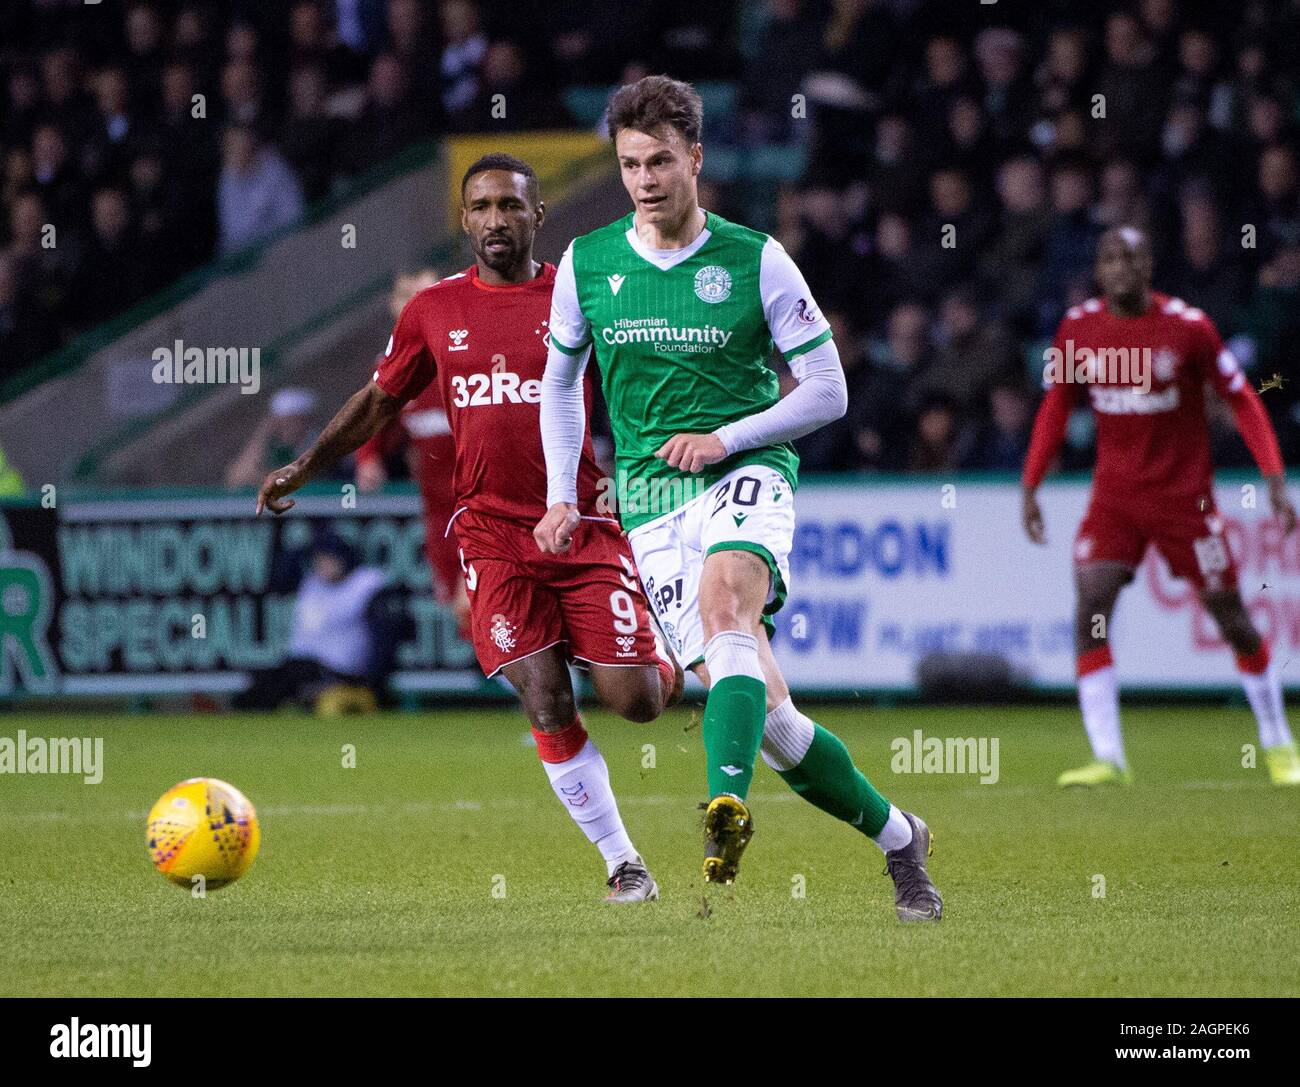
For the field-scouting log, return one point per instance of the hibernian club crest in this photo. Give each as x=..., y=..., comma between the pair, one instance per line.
x=713, y=284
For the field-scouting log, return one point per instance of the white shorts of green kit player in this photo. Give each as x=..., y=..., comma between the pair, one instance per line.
x=749, y=509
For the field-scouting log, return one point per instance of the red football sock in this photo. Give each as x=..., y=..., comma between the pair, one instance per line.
x=1256, y=664
x=1094, y=660
x=563, y=745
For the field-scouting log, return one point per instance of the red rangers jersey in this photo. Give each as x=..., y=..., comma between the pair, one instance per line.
x=1144, y=378
x=486, y=346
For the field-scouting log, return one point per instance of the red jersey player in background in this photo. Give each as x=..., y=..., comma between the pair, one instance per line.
x=1153, y=485
x=481, y=335
x=423, y=433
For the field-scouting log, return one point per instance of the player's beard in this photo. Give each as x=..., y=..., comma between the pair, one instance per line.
x=501, y=260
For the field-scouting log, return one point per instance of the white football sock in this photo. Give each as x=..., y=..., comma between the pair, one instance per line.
x=787, y=735
x=896, y=832
x=1099, y=703
x=582, y=785
x=1264, y=691
x=733, y=653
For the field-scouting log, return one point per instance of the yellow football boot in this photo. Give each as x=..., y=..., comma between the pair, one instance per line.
x=728, y=827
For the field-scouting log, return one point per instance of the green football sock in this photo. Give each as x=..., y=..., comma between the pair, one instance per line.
x=827, y=779
x=733, y=729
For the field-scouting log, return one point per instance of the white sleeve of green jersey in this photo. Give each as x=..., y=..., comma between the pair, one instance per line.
x=793, y=318
x=564, y=421
x=821, y=397
x=570, y=330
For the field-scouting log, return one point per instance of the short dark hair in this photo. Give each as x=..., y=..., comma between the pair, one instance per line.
x=654, y=101
x=499, y=160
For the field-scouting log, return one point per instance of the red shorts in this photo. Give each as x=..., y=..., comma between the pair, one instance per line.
x=522, y=601
x=1192, y=541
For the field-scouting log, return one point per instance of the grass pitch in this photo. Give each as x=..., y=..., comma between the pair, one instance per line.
x=379, y=880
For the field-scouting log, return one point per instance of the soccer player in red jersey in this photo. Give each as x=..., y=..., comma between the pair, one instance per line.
x=481, y=334
x=422, y=429
x=1145, y=359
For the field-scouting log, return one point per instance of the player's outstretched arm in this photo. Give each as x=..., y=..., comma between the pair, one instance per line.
x=363, y=416
x=1278, y=498
x=1044, y=443
x=821, y=397
x=1256, y=429
x=1031, y=516
x=1224, y=372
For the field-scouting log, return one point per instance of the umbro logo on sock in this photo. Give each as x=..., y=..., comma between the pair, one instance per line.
x=731, y=770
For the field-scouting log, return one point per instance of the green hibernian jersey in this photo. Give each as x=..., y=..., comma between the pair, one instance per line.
x=682, y=337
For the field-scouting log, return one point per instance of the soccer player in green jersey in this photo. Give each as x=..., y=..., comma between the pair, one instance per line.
x=682, y=309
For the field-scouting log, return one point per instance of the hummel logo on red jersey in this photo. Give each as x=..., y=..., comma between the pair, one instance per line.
x=616, y=282
x=457, y=337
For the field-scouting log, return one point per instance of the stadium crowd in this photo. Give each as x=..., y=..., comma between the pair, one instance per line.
x=152, y=137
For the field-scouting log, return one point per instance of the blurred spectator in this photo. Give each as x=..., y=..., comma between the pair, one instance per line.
x=360, y=23
x=111, y=275
x=897, y=170
x=970, y=144
x=974, y=352
x=67, y=101
x=1071, y=240
x=893, y=274
x=508, y=100
x=999, y=54
x=257, y=193
x=1009, y=266
x=790, y=46
x=1277, y=209
x=42, y=270
x=1202, y=269
x=1060, y=77
x=117, y=134
x=1193, y=152
x=145, y=52
x=242, y=97
x=194, y=45
x=312, y=43
x=1133, y=88
x=1002, y=442
x=25, y=332
x=412, y=40
x=22, y=108
x=388, y=123
x=945, y=77
x=833, y=242
x=879, y=416
x=342, y=635
x=282, y=434
x=1122, y=202
x=58, y=181
x=464, y=47
x=311, y=136
x=1200, y=81
x=939, y=440
x=955, y=231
